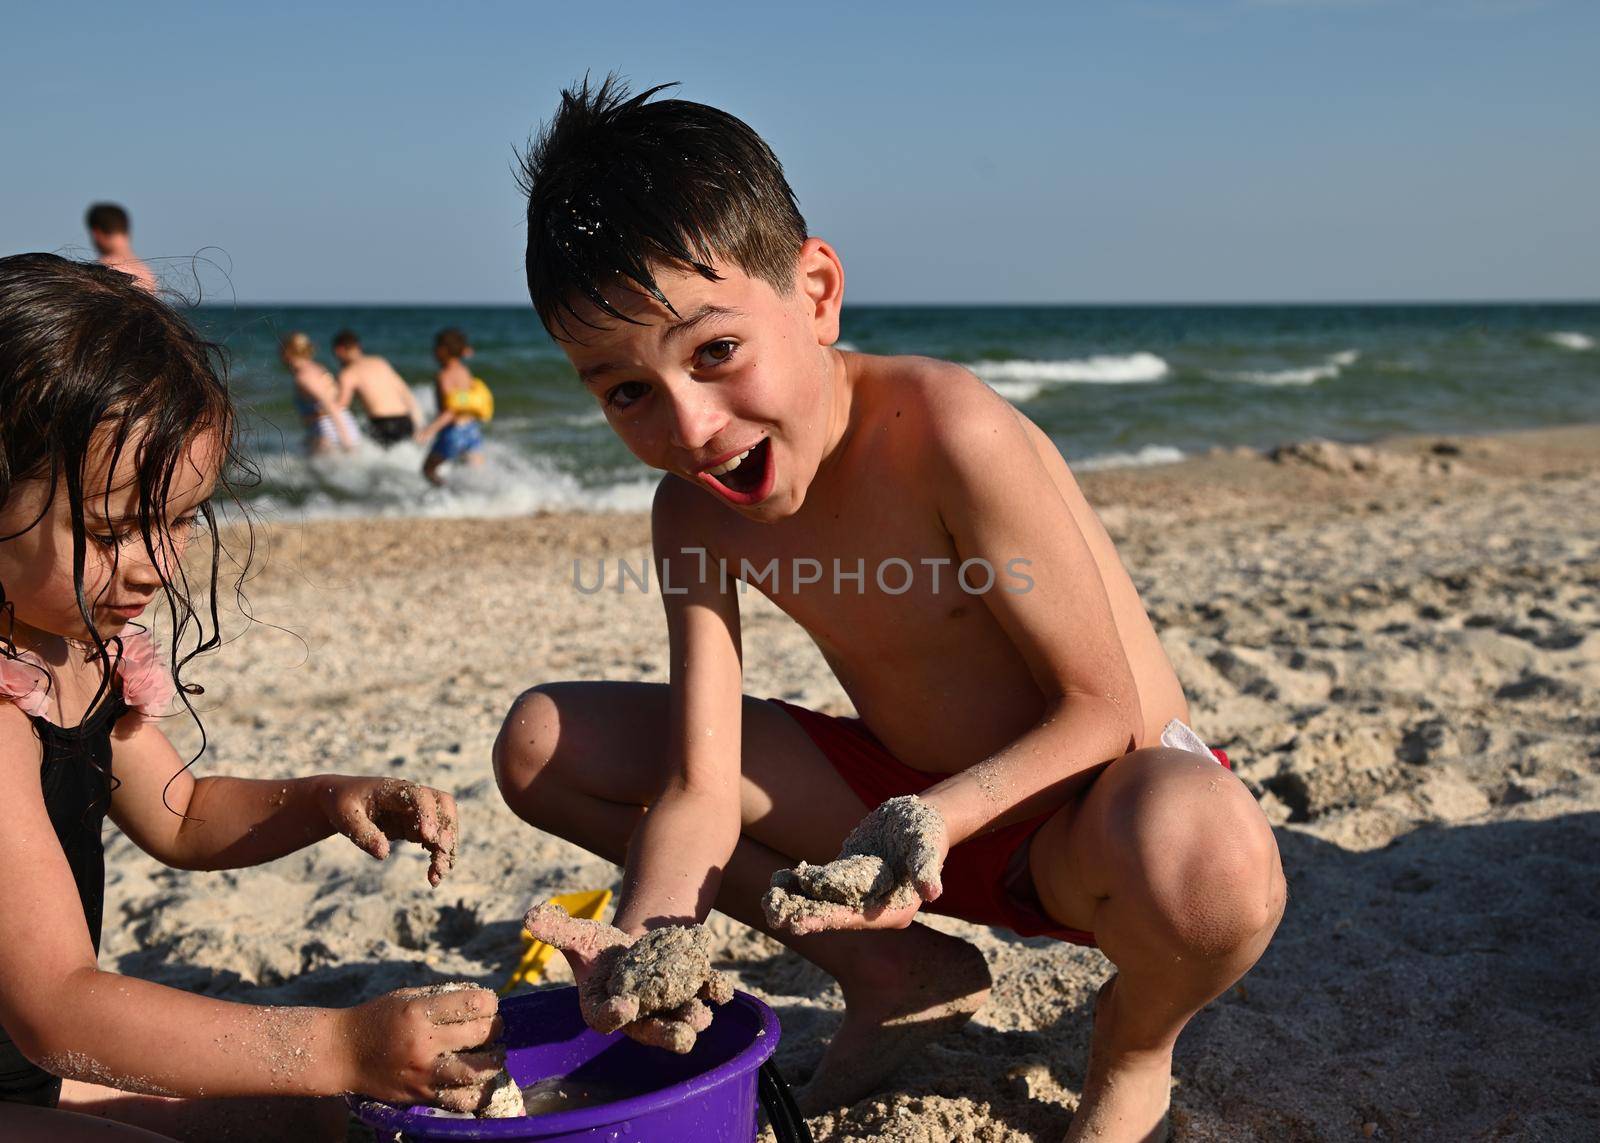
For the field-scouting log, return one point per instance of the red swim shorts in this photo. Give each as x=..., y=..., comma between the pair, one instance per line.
x=986, y=880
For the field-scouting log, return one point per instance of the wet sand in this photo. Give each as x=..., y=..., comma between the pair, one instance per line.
x=1397, y=646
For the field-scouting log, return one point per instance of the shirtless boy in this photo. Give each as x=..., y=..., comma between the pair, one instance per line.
x=111, y=232
x=392, y=413
x=1026, y=709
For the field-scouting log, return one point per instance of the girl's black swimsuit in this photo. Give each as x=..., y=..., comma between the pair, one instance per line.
x=75, y=774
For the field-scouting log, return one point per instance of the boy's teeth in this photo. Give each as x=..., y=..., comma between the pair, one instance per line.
x=729, y=466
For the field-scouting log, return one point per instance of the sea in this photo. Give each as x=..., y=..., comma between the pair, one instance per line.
x=1113, y=386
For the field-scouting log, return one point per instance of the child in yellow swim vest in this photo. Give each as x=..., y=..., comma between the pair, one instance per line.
x=465, y=406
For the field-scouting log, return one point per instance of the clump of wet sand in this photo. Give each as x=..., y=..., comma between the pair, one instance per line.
x=878, y=868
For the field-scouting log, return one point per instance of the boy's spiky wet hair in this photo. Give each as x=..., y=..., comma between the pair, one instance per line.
x=617, y=185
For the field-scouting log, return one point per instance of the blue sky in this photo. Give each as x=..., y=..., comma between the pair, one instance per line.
x=1209, y=150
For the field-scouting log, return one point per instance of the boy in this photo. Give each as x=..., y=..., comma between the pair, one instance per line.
x=1024, y=707
x=111, y=233
x=392, y=413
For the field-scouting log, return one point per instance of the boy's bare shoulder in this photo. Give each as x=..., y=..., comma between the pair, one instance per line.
x=947, y=405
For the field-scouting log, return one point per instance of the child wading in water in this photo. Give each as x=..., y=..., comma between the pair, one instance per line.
x=114, y=431
x=316, y=398
x=465, y=406
x=1021, y=758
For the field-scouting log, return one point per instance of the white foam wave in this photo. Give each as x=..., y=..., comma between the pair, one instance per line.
x=1020, y=380
x=389, y=482
x=847, y=346
x=1569, y=339
x=1140, y=458
x=1330, y=368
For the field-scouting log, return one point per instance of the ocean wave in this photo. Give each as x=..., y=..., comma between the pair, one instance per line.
x=1330, y=368
x=389, y=482
x=1570, y=339
x=1025, y=380
x=1139, y=458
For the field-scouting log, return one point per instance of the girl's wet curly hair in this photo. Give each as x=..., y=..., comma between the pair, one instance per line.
x=89, y=361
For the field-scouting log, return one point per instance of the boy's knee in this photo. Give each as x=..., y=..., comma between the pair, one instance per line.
x=1204, y=853
x=526, y=745
x=1233, y=894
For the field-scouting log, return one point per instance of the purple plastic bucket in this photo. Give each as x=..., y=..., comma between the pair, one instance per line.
x=707, y=1096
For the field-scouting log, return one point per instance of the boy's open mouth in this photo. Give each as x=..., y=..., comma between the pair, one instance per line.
x=745, y=478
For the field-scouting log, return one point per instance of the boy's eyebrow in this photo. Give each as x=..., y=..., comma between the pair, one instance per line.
x=701, y=315
x=676, y=329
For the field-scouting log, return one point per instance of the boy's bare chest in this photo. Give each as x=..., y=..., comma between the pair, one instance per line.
x=874, y=575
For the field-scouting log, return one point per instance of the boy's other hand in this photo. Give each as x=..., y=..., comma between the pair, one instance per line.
x=887, y=868
x=425, y=1045
x=372, y=812
x=654, y=987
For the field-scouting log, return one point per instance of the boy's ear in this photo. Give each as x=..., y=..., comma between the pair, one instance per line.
x=820, y=277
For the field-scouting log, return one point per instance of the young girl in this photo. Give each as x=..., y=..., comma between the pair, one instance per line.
x=316, y=398
x=465, y=406
x=115, y=430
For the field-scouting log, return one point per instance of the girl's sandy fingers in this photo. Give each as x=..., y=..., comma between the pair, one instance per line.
x=468, y=1069
x=427, y=815
x=461, y=1098
x=462, y=1006
x=357, y=824
x=449, y=831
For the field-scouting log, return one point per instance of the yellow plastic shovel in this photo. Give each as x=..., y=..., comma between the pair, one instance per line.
x=587, y=905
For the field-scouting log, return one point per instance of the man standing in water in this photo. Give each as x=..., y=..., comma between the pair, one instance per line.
x=392, y=412
x=112, y=236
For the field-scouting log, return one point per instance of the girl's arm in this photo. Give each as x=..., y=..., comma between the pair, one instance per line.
x=683, y=843
x=76, y=1021
x=229, y=823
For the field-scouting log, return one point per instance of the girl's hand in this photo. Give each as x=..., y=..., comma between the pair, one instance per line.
x=887, y=868
x=373, y=811
x=424, y=1045
x=651, y=987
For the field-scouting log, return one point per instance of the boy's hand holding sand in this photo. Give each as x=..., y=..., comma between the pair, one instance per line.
x=888, y=866
x=653, y=987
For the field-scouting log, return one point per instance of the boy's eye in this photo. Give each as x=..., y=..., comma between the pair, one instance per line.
x=105, y=540
x=716, y=353
x=184, y=523
x=625, y=394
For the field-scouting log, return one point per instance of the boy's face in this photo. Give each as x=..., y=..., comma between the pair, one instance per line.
x=345, y=354
x=736, y=391
x=105, y=242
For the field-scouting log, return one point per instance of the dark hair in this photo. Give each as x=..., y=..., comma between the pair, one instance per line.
x=107, y=218
x=346, y=339
x=87, y=361
x=452, y=342
x=616, y=184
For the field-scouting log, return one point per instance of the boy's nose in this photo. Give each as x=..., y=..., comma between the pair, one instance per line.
x=696, y=418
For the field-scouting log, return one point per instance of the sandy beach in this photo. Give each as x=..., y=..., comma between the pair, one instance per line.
x=1397, y=645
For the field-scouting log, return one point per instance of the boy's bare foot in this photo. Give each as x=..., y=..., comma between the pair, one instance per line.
x=1126, y=1095
x=928, y=986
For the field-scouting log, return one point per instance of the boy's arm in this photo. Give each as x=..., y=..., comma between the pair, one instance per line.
x=999, y=504
x=683, y=843
x=231, y=823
